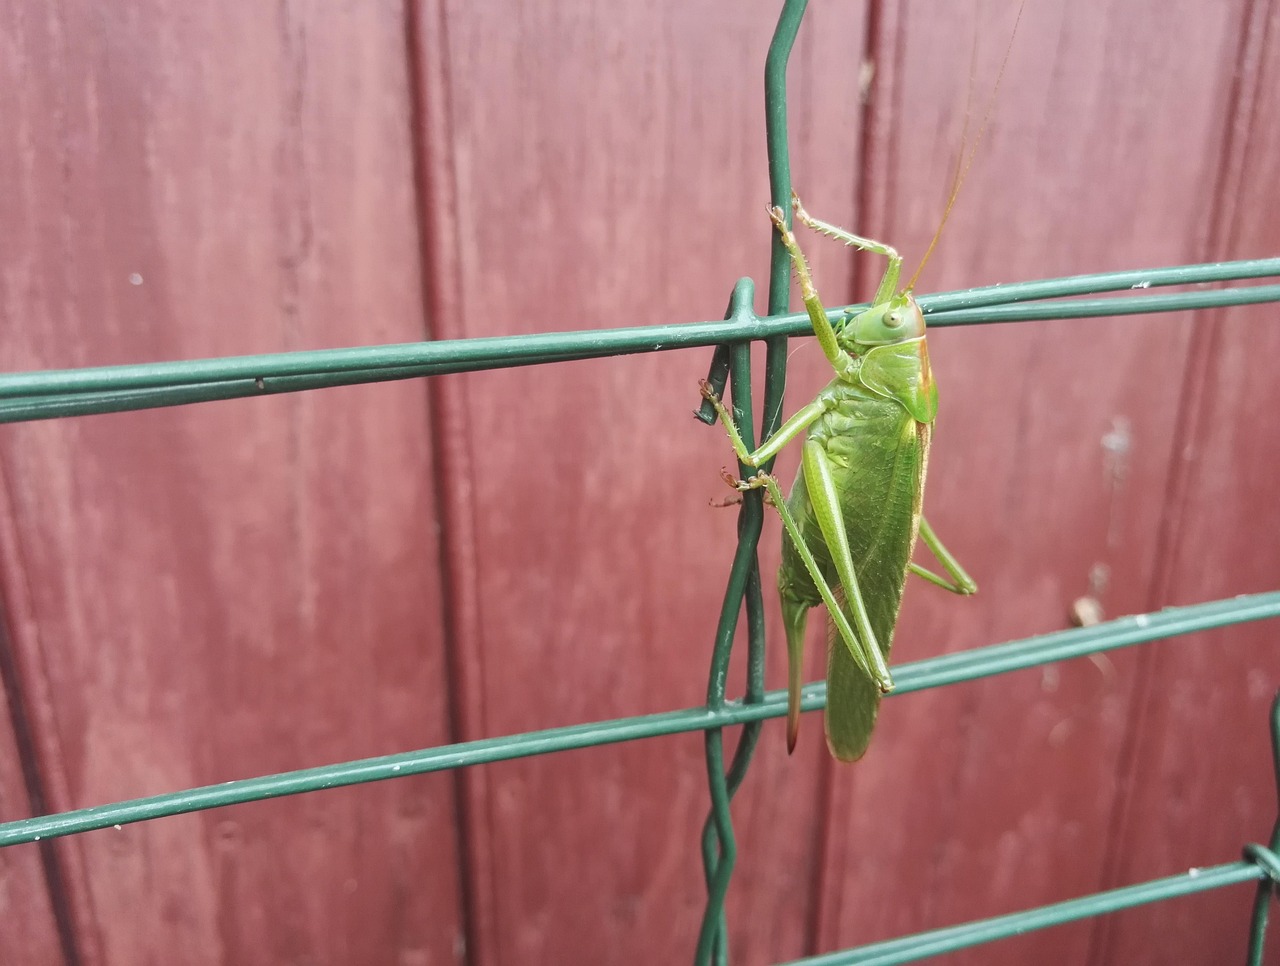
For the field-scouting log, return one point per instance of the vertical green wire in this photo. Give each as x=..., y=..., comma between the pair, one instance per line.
x=718, y=826
x=775, y=123
x=1267, y=887
x=775, y=120
x=719, y=847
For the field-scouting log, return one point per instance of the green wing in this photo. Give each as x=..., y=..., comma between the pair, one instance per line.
x=885, y=476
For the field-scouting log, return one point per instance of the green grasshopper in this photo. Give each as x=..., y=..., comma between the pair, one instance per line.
x=854, y=512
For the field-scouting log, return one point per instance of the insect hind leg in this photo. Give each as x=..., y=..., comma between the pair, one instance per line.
x=864, y=648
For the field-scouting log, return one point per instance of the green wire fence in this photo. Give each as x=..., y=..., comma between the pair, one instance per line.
x=45, y=395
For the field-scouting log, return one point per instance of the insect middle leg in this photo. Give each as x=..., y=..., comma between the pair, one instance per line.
x=840, y=360
x=888, y=286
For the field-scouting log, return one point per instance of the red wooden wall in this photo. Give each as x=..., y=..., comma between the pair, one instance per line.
x=231, y=589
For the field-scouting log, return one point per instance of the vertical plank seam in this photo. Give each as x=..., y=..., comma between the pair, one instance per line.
x=436, y=191
x=1221, y=227
x=25, y=728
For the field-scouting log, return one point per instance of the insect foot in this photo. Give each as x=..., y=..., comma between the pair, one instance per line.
x=750, y=483
x=801, y=215
x=733, y=481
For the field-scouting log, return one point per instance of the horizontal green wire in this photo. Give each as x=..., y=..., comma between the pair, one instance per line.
x=41, y=395
x=1097, y=308
x=935, y=942
x=73, y=392
x=916, y=676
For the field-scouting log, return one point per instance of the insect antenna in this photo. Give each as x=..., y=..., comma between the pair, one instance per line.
x=965, y=159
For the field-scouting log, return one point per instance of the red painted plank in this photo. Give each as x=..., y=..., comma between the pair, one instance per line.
x=1200, y=782
x=548, y=207
x=28, y=931
x=602, y=166
x=1051, y=456
x=226, y=590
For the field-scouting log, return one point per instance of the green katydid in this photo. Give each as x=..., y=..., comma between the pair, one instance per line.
x=854, y=514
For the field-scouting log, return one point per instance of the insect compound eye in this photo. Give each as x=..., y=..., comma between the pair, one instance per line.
x=893, y=320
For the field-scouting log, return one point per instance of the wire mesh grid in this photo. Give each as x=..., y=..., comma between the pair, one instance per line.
x=53, y=394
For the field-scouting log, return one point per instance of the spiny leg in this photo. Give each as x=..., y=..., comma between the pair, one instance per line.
x=840, y=360
x=826, y=509
x=795, y=641
x=770, y=483
x=788, y=431
x=960, y=582
x=889, y=281
x=865, y=650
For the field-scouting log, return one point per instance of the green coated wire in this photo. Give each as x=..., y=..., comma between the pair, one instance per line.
x=719, y=849
x=778, y=146
x=1262, y=864
x=52, y=394
x=914, y=676
x=1266, y=887
x=465, y=355
x=935, y=942
x=46, y=394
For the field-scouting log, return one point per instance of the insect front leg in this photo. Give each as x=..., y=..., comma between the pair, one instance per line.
x=889, y=281
x=960, y=582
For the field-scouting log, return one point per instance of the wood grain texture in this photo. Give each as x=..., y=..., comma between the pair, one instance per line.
x=28, y=928
x=1200, y=773
x=229, y=590
x=604, y=166
x=226, y=590
x=1052, y=456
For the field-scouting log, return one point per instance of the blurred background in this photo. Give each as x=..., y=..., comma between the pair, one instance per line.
x=231, y=589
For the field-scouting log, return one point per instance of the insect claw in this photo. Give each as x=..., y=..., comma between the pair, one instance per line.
x=802, y=216
x=707, y=392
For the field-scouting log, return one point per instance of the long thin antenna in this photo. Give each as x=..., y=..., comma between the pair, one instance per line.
x=957, y=175
x=966, y=160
